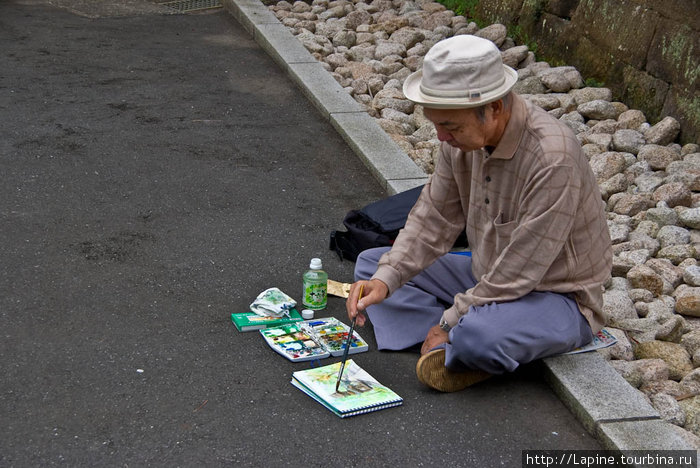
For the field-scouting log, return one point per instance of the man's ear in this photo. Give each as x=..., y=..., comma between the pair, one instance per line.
x=497, y=107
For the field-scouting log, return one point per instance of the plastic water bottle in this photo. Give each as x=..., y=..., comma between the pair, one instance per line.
x=315, y=286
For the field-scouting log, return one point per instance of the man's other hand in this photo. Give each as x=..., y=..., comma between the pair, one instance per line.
x=436, y=336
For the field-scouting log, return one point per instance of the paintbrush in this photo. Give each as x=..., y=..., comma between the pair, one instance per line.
x=347, y=343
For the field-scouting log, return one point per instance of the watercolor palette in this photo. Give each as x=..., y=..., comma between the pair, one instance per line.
x=312, y=339
x=294, y=343
x=333, y=334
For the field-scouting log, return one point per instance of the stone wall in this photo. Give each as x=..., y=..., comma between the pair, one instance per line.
x=646, y=51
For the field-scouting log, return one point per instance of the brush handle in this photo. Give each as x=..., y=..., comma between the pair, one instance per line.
x=345, y=353
x=347, y=343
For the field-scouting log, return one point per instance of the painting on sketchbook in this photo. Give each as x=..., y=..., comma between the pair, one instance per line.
x=357, y=388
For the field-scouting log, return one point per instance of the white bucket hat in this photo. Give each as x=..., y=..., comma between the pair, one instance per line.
x=459, y=72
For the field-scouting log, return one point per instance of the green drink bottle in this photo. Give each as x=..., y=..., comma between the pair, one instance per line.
x=315, y=286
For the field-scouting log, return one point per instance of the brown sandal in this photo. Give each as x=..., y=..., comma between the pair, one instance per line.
x=432, y=372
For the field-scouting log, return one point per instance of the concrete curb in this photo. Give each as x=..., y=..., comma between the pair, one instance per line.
x=392, y=167
x=607, y=406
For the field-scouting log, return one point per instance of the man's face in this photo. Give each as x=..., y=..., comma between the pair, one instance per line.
x=462, y=128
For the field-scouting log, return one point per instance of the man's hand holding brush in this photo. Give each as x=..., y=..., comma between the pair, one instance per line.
x=373, y=292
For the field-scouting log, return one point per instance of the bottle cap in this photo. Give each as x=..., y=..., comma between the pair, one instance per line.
x=307, y=314
x=316, y=264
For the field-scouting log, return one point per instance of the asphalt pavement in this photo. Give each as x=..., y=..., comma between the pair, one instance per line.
x=159, y=171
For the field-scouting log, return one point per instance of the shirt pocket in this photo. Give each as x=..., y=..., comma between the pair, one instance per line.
x=503, y=231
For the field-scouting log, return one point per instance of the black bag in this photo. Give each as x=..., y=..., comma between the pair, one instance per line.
x=375, y=225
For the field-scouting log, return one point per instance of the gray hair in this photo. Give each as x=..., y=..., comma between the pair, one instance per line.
x=481, y=110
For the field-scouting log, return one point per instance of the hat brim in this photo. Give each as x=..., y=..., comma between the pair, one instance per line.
x=411, y=89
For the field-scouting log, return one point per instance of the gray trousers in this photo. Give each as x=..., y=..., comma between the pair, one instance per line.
x=495, y=337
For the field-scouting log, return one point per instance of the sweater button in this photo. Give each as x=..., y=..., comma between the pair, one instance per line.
x=488, y=178
x=486, y=201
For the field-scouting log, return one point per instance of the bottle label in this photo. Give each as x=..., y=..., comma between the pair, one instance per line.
x=315, y=295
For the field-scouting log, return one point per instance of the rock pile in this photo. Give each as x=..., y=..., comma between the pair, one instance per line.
x=650, y=184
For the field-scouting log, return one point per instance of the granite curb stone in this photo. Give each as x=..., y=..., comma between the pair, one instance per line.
x=322, y=90
x=251, y=14
x=377, y=150
x=276, y=40
x=391, y=166
x=641, y=435
x=586, y=383
x=607, y=406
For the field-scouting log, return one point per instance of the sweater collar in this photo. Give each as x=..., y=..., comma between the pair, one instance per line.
x=513, y=132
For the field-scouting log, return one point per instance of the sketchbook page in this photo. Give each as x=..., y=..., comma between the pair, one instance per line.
x=301, y=387
x=346, y=414
x=602, y=339
x=358, y=390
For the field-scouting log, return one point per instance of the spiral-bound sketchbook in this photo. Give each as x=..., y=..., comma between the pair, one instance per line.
x=602, y=339
x=358, y=393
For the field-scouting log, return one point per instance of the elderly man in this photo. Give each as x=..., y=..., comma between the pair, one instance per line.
x=517, y=181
